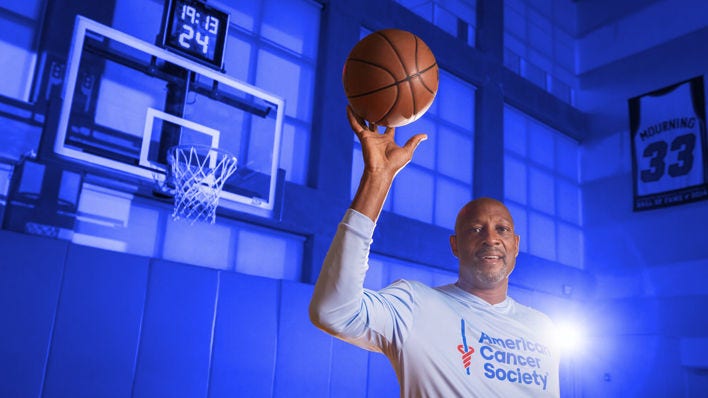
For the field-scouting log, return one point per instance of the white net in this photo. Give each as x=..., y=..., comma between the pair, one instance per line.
x=199, y=174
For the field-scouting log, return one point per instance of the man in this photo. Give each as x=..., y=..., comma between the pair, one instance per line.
x=467, y=339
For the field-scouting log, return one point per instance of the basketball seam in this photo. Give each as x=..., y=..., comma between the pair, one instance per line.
x=417, y=72
x=408, y=78
x=403, y=64
x=422, y=82
x=363, y=61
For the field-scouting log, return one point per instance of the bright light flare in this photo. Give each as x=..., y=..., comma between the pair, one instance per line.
x=570, y=336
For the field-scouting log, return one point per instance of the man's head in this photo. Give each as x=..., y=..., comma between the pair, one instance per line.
x=485, y=244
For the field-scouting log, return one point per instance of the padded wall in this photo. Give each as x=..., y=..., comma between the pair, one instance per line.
x=84, y=322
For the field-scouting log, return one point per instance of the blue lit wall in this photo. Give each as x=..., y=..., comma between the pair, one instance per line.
x=135, y=305
x=649, y=266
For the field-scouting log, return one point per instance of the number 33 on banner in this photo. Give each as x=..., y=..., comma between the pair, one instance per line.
x=680, y=152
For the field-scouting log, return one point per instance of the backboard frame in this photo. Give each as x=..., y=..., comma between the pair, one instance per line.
x=146, y=171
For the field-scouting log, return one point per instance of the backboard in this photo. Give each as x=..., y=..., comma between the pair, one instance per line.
x=126, y=102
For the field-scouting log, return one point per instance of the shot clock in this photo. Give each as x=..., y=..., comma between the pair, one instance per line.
x=196, y=30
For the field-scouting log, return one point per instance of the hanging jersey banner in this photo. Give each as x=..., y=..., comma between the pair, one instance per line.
x=669, y=152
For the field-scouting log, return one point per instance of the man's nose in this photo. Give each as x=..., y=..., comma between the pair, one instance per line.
x=491, y=237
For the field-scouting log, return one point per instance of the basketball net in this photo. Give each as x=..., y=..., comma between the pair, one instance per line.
x=199, y=174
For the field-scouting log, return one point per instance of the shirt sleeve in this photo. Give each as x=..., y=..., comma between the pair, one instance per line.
x=341, y=306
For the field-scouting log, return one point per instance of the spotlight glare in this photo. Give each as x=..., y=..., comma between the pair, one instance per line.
x=570, y=336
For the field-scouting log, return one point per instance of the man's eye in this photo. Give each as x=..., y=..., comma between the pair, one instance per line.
x=477, y=229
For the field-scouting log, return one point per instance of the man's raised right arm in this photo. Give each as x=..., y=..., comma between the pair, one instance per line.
x=338, y=294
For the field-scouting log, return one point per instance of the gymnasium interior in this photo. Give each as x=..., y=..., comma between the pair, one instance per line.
x=585, y=117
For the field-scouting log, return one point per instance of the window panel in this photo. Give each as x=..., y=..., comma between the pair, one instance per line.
x=515, y=180
x=564, y=50
x=237, y=58
x=292, y=24
x=513, y=44
x=542, y=236
x=423, y=8
x=540, y=60
x=540, y=28
x=284, y=78
x=451, y=196
x=464, y=9
x=18, y=59
x=27, y=8
x=446, y=14
x=541, y=145
x=244, y=14
x=445, y=20
x=456, y=101
x=425, y=153
x=568, y=202
x=145, y=24
x=541, y=191
x=413, y=194
x=471, y=36
x=536, y=32
x=533, y=73
x=515, y=22
x=559, y=89
x=567, y=158
x=434, y=110
x=455, y=155
x=512, y=61
x=514, y=131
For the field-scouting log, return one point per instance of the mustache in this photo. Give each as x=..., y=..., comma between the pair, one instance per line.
x=490, y=252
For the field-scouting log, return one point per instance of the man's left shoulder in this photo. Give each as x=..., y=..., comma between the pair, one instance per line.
x=532, y=314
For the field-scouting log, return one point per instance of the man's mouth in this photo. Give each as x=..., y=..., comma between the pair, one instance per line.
x=491, y=257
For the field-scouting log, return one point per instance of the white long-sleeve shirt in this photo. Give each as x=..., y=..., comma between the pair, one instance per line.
x=442, y=342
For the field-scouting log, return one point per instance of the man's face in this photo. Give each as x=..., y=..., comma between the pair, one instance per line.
x=485, y=243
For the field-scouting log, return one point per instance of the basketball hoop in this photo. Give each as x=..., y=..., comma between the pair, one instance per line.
x=198, y=174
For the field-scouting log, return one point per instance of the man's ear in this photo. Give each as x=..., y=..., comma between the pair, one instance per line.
x=518, y=241
x=453, y=245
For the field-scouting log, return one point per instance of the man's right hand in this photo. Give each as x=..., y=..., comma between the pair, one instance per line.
x=383, y=159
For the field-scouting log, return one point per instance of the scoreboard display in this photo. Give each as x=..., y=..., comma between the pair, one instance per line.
x=196, y=30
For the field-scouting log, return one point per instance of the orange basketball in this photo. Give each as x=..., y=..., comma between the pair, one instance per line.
x=390, y=77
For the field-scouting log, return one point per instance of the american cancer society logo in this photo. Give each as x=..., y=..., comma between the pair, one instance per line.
x=465, y=350
x=514, y=360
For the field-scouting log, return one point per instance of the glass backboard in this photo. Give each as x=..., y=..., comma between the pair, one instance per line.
x=126, y=102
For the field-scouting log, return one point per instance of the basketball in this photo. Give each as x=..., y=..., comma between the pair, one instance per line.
x=390, y=78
